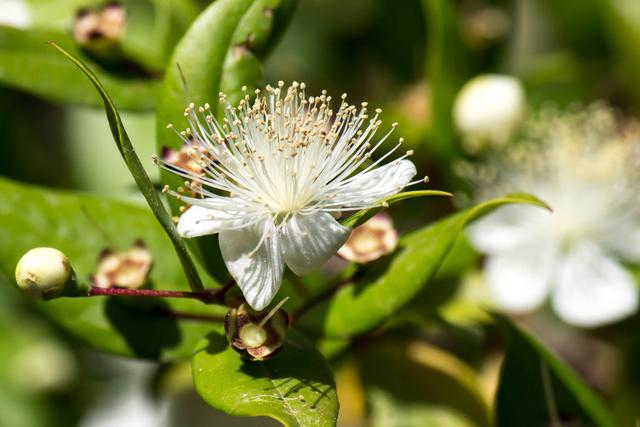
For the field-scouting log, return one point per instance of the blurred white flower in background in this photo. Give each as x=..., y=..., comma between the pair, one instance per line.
x=488, y=109
x=15, y=13
x=277, y=172
x=585, y=166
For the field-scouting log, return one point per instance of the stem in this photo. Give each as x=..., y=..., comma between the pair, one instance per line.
x=207, y=296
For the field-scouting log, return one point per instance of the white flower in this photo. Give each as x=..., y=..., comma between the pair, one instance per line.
x=277, y=172
x=488, y=109
x=585, y=165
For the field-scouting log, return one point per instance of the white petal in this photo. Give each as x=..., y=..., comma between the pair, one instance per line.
x=520, y=279
x=369, y=187
x=506, y=228
x=310, y=240
x=593, y=289
x=623, y=239
x=258, y=274
x=202, y=220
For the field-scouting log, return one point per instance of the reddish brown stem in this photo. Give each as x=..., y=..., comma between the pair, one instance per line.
x=207, y=296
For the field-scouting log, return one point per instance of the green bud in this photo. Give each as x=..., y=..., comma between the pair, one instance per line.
x=45, y=273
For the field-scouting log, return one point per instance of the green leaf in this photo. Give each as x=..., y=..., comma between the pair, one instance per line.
x=296, y=387
x=140, y=175
x=219, y=52
x=364, y=304
x=534, y=384
x=27, y=63
x=364, y=214
x=82, y=226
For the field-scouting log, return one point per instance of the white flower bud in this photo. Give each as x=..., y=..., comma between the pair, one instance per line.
x=43, y=273
x=488, y=109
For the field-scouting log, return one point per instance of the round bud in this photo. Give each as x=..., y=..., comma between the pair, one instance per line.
x=488, y=109
x=256, y=335
x=43, y=273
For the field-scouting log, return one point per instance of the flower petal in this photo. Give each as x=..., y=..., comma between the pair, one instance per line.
x=520, y=279
x=369, y=187
x=623, y=238
x=309, y=241
x=593, y=289
x=203, y=219
x=506, y=228
x=258, y=272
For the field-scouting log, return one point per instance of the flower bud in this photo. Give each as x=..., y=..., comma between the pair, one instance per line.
x=45, y=273
x=488, y=110
x=256, y=336
x=371, y=240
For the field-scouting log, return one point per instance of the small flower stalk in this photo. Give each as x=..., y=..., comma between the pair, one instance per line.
x=286, y=166
x=46, y=273
x=255, y=335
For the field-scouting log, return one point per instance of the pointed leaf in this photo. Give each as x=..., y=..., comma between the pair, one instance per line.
x=365, y=214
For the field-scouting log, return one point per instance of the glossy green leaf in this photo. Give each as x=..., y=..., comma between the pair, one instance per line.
x=82, y=226
x=27, y=63
x=364, y=304
x=140, y=175
x=219, y=52
x=296, y=387
x=364, y=214
x=536, y=388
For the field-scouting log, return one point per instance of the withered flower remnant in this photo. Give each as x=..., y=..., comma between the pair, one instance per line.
x=372, y=240
x=128, y=269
